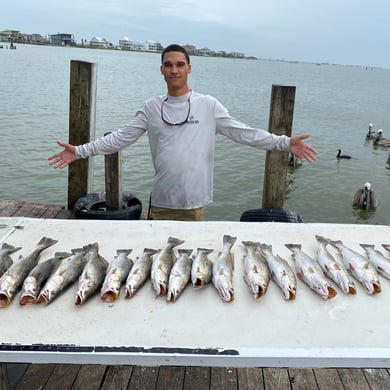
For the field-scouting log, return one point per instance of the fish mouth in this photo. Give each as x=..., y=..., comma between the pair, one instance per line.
x=260, y=292
x=198, y=283
x=377, y=288
x=79, y=299
x=109, y=296
x=28, y=299
x=331, y=292
x=4, y=300
x=43, y=298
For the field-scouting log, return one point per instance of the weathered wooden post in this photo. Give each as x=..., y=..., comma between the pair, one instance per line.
x=82, y=112
x=276, y=163
x=113, y=180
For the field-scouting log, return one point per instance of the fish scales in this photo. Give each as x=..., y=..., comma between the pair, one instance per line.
x=281, y=272
x=202, y=268
x=5, y=258
x=311, y=273
x=333, y=269
x=140, y=272
x=223, y=268
x=12, y=279
x=180, y=275
x=161, y=266
x=38, y=276
x=93, y=274
x=256, y=272
x=359, y=267
x=117, y=273
x=64, y=275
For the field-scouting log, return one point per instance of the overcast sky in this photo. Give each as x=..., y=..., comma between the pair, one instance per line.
x=352, y=32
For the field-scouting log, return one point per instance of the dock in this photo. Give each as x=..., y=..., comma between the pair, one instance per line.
x=99, y=376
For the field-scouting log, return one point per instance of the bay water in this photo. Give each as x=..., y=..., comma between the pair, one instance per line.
x=334, y=103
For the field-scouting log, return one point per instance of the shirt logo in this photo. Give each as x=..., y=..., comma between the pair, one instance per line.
x=192, y=120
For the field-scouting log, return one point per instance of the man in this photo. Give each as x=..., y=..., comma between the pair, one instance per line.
x=182, y=127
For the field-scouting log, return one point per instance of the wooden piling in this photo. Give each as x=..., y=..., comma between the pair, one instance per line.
x=82, y=113
x=113, y=180
x=276, y=164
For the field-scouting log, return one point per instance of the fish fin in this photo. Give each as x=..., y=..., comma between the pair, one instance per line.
x=293, y=247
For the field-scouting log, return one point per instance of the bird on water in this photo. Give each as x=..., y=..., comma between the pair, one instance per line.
x=365, y=197
x=339, y=155
x=380, y=141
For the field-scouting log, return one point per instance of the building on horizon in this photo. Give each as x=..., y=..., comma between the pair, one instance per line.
x=62, y=39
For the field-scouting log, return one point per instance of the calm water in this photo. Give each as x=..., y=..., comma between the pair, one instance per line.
x=333, y=103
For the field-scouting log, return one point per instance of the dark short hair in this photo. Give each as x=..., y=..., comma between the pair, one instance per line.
x=175, y=47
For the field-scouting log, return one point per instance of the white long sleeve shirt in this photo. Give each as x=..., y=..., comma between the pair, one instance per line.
x=183, y=155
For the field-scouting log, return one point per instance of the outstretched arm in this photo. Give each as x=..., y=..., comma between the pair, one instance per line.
x=64, y=158
x=301, y=149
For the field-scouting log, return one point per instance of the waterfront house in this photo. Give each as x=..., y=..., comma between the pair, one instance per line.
x=62, y=39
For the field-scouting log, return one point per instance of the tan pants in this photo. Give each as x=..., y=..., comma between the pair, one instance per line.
x=176, y=215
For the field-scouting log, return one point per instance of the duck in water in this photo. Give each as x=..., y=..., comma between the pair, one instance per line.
x=339, y=155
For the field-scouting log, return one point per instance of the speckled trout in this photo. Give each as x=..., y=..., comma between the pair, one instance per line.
x=139, y=272
x=93, y=274
x=311, y=273
x=202, y=268
x=256, y=272
x=333, y=269
x=117, y=273
x=38, y=276
x=161, y=267
x=223, y=268
x=180, y=274
x=5, y=258
x=281, y=272
x=64, y=275
x=359, y=267
x=378, y=260
x=13, y=278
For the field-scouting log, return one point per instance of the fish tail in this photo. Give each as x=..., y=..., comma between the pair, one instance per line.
x=229, y=240
x=184, y=252
x=205, y=250
x=367, y=246
x=336, y=243
x=293, y=247
x=62, y=255
x=46, y=242
x=150, y=251
x=386, y=246
x=172, y=241
x=91, y=247
x=75, y=251
x=123, y=251
x=251, y=244
x=322, y=239
x=10, y=248
x=266, y=247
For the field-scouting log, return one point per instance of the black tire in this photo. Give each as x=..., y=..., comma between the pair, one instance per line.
x=92, y=206
x=270, y=215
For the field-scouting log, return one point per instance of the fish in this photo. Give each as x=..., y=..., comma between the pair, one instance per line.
x=93, y=274
x=139, y=272
x=378, y=260
x=202, y=268
x=256, y=272
x=281, y=272
x=38, y=276
x=117, y=273
x=223, y=268
x=64, y=275
x=311, y=273
x=161, y=266
x=180, y=275
x=333, y=269
x=359, y=267
x=5, y=258
x=386, y=246
x=13, y=278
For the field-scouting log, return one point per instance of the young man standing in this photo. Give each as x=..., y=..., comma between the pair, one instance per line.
x=182, y=126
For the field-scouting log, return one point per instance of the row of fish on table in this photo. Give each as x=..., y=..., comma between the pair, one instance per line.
x=42, y=282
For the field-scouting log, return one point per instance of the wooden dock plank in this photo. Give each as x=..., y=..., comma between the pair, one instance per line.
x=302, y=379
x=143, y=378
x=379, y=379
x=197, y=378
x=170, y=378
x=276, y=379
x=353, y=379
x=35, y=377
x=63, y=376
x=223, y=378
x=250, y=378
x=89, y=377
x=328, y=379
x=117, y=378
